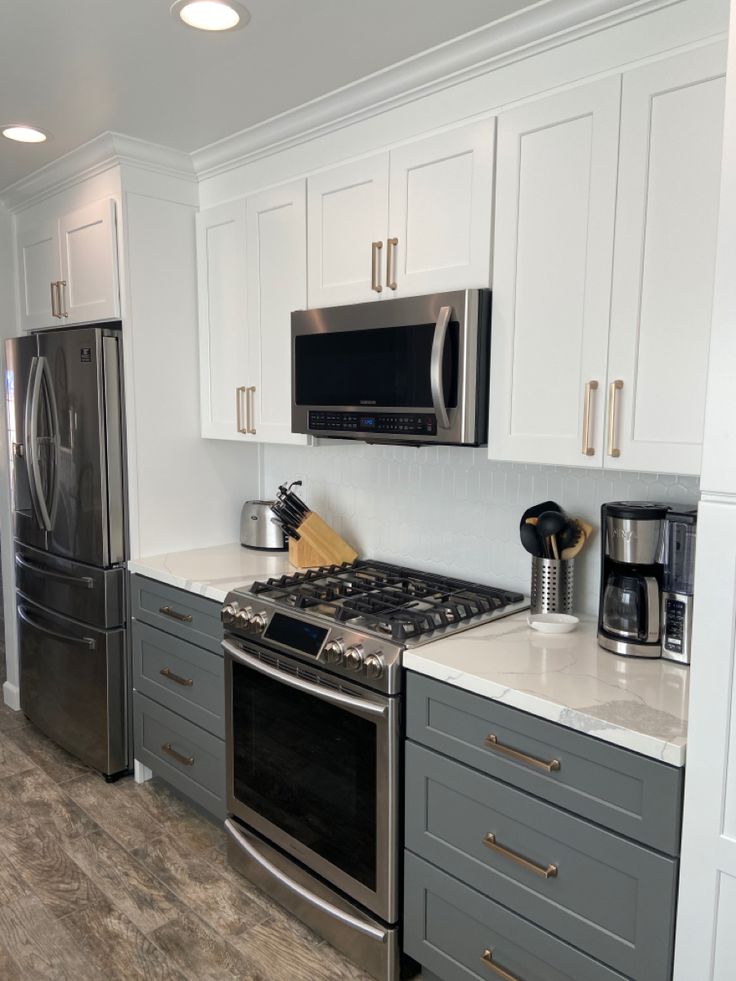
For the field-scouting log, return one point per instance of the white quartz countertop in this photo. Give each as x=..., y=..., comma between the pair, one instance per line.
x=566, y=678
x=212, y=572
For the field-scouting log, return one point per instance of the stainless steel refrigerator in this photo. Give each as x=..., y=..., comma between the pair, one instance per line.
x=66, y=422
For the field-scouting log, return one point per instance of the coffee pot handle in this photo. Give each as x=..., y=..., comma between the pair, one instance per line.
x=653, y=625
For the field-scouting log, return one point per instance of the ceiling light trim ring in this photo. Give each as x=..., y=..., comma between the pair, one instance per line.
x=179, y=6
x=34, y=133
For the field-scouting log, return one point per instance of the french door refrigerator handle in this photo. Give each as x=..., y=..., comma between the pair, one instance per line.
x=67, y=638
x=41, y=367
x=306, y=894
x=54, y=411
x=435, y=367
x=31, y=412
x=326, y=694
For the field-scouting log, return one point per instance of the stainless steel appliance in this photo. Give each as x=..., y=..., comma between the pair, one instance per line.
x=679, y=581
x=313, y=735
x=66, y=428
x=258, y=531
x=413, y=370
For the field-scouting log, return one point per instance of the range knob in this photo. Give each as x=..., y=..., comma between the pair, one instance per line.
x=354, y=657
x=334, y=651
x=242, y=618
x=258, y=622
x=374, y=666
x=228, y=612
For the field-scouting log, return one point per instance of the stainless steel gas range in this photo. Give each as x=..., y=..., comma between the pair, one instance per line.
x=313, y=696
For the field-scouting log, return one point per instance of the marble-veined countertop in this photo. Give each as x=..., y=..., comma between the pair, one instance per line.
x=566, y=678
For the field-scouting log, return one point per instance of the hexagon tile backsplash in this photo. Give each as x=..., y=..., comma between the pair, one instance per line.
x=451, y=510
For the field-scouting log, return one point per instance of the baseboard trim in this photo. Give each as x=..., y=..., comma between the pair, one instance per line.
x=11, y=696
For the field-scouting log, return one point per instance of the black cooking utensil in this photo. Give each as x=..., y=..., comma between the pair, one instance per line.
x=531, y=541
x=537, y=509
x=549, y=525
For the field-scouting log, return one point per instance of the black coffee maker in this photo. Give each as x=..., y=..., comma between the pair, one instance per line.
x=632, y=577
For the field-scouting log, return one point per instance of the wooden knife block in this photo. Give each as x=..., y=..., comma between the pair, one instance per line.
x=319, y=545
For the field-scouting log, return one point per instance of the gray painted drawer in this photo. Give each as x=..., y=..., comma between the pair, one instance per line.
x=194, y=618
x=184, y=678
x=635, y=796
x=448, y=927
x=197, y=769
x=610, y=897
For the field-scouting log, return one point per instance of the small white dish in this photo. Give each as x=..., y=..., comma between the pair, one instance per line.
x=552, y=623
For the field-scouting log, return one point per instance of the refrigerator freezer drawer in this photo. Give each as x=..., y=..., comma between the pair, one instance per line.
x=82, y=592
x=73, y=685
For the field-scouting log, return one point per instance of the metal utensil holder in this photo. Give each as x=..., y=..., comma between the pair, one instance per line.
x=553, y=582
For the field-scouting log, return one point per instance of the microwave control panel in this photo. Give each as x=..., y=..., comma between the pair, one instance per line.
x=386, y=423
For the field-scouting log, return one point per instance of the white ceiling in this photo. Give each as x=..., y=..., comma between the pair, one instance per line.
x=78, y=68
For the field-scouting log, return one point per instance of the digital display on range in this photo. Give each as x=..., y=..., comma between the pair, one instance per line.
x=367, y=422
x=297, y=634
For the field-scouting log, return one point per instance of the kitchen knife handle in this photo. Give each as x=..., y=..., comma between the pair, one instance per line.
x=590, y=387
x=376, y=267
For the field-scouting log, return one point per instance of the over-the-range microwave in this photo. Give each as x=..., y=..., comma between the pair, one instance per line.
x=412, y=370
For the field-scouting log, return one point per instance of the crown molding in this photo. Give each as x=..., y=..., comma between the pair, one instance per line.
x=92, y=158
x=544, y=25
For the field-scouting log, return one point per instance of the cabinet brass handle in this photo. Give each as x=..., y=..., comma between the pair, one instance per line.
x=250, y=395
x=63, y=312
x=545, y=872
x=181, y=617
x=239, y=394
x=486, y=958
x=376, y=267
x=614, y=387
x=169, y=749
x=54, y=300
x=491, y=742
x=391, y=244
x=590, y=387
x=168, y=673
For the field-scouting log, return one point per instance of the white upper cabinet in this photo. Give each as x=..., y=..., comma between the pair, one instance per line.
x=68, y=269
x=664, y=262
x=348, y=225
x=555, y=211
x=276, y=253
x=223, y=339
x=415, y=220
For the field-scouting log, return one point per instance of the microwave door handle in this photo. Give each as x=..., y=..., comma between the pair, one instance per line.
x=436, y=365
x=652, y=593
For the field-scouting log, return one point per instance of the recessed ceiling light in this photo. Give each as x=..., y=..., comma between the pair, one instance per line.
x=23, y=133
x=211, y=15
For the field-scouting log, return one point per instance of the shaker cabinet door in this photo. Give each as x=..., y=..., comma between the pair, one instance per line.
x=347, y=218
x=555, y=209
x=276, y=284
x=89, y=264
x=224, y=357
x=440, y=214
x=664, y=261
x=39, y=267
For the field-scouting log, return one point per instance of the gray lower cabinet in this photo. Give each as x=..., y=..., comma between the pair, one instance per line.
x=179, y=690
x=546, y=892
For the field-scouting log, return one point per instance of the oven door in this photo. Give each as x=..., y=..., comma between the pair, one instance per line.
x=312, y=764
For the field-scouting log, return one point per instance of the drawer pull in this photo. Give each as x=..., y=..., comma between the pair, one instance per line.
x=486, y=958
x=168, y=673
x=181, y=617
x=492, y=742
x=546, y=872
x=186, y=760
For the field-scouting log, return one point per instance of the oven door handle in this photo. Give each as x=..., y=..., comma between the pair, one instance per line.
x=436, y=364
x=358, y=705
x=306, y=894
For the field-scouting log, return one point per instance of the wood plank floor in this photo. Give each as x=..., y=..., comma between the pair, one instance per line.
x=121, y=881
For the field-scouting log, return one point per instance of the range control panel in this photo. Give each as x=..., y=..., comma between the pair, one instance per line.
x=405, y=424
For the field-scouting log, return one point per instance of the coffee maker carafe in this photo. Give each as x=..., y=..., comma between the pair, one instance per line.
x=632, y=577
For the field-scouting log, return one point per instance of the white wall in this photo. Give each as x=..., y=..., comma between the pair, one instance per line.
x=451, y=509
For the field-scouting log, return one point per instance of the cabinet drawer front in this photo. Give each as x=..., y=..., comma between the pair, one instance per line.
x=607, y=896
x=188, y=757
x=633, y=795
x=194, y=618
x=184, y=678
x=448, y=927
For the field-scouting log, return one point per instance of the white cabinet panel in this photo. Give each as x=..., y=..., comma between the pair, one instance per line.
x=666, y=224
x=347, y=210
x=39, y=265
x=441, y=211
x=223, y=339
x=277, y=284
x=89, y=265
x=555, y=210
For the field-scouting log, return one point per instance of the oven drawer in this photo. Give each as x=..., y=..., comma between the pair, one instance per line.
x=184, y=678
x=603, y=894
x=193, y=618
x=448, y=927
x=628, y=793
x=189, y=758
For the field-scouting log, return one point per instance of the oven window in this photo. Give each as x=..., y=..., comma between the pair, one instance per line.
x=386, y=366
x=308, y=767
